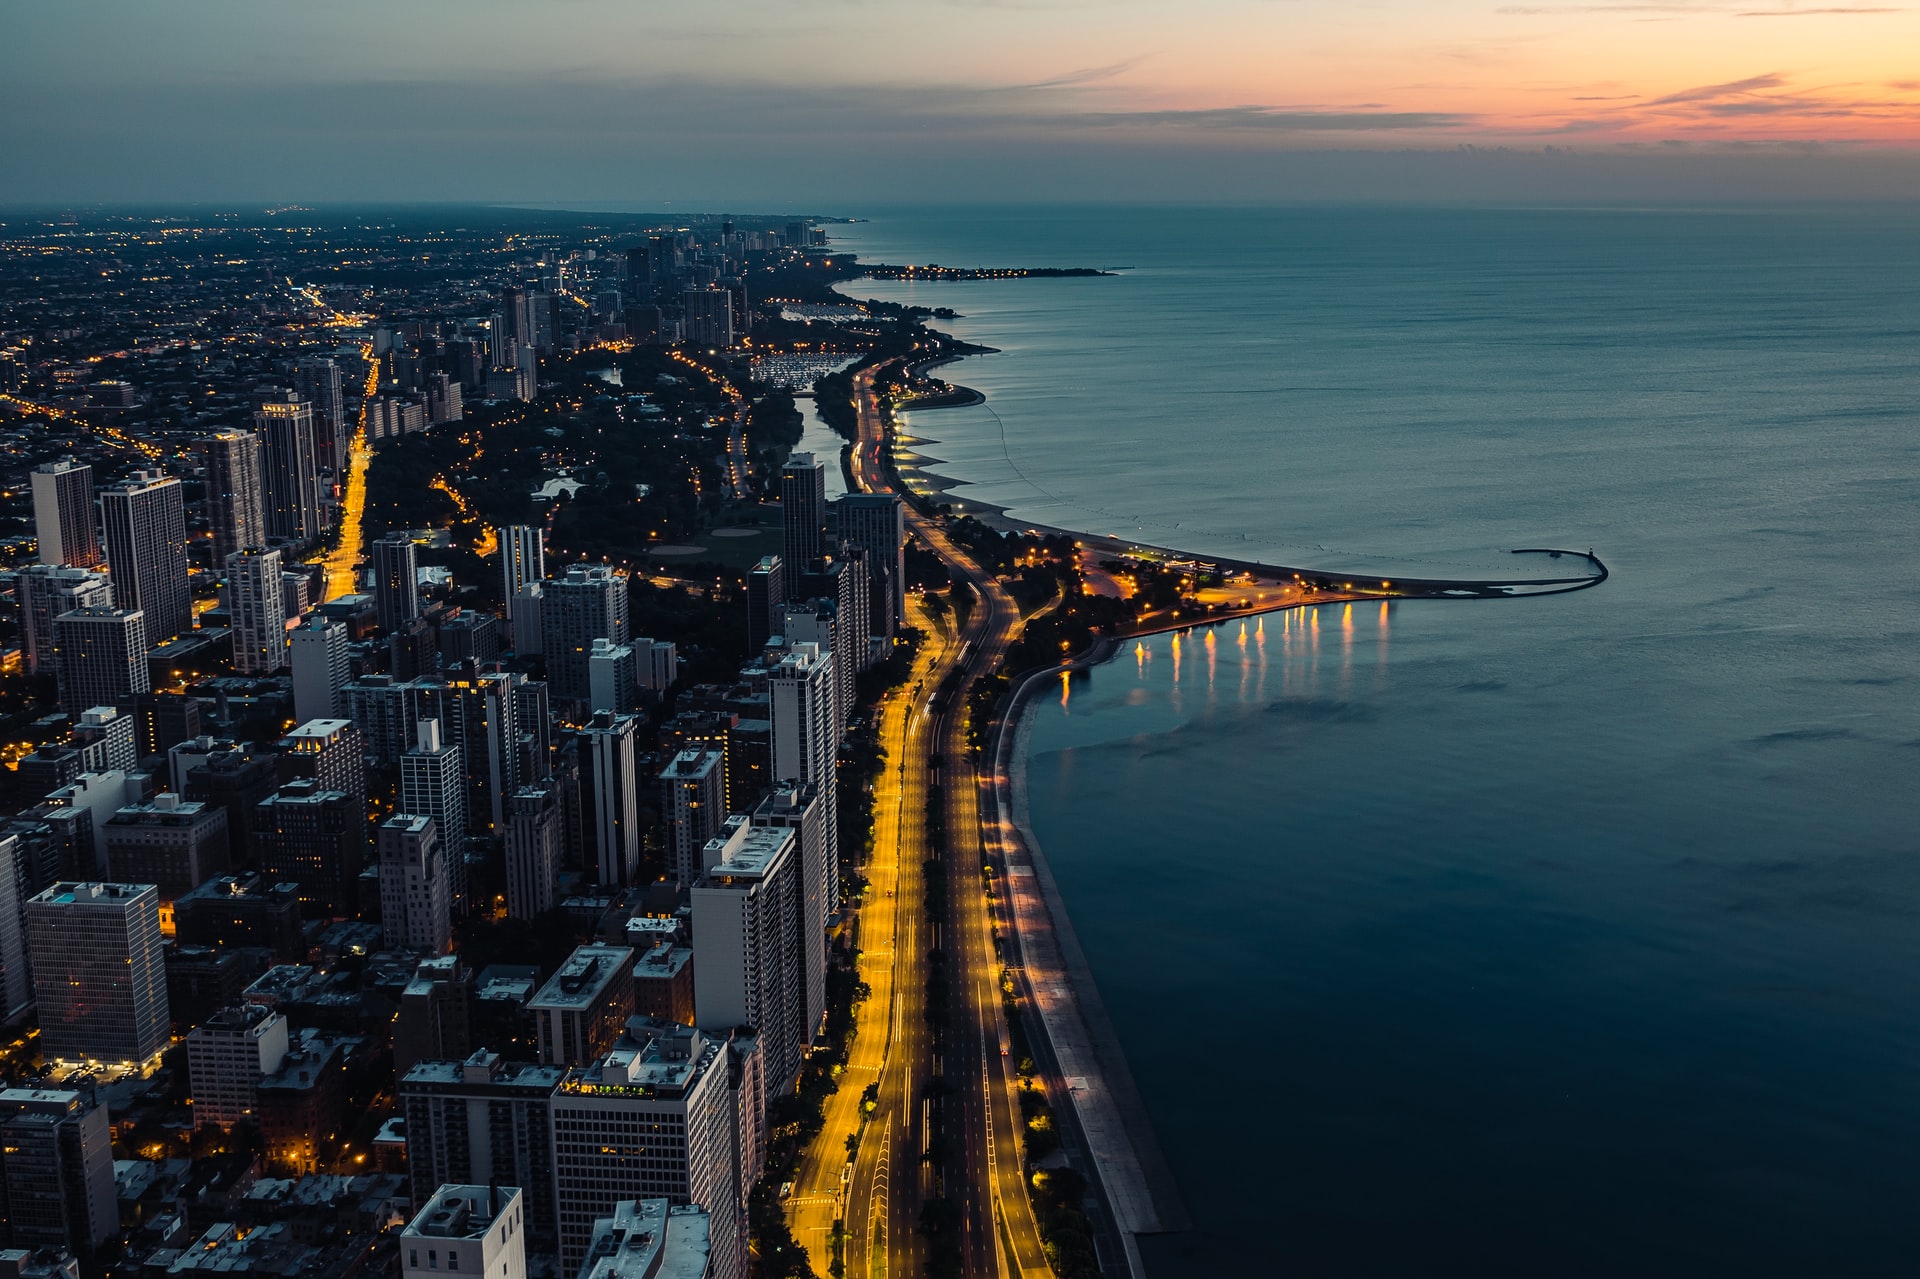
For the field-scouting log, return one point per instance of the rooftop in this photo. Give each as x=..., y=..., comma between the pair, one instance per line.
x=583, y=977
x=462, y=1212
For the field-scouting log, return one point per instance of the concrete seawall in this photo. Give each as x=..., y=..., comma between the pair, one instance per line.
x=1070, y=1022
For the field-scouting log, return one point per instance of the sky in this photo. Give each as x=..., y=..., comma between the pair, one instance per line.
x=831, y=103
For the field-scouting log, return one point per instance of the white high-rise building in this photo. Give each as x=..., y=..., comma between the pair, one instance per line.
x=806, y=743
x=228, y=1055
x=749, y=945
x=416, y=910
x=476, y=1231
x=692, y=807
x=63, y=519
x=651, y=1119
x=796, y=806
x=322, y=666
x=98, y=976
x=44, y=591
x=877, y=522
x=523, y=559
x=146, y=533
x=258, y=603
x=611, y=684
x=433, y=784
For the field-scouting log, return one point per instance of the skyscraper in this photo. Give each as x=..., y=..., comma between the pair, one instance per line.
x=877, y=523
x=535, y=841
x=146, y=526
x=433, y=784
x=308, y=835
x=258, y=602
x=228, y=1055
x=709, y=316
x=805, y=745
x=766, y=591
x=56, y=1170
x=236, y=502
x=795, y=806
x=44, y=591
x=589, y=602
x=98, y=978
x=174, y=844
x=416, y=911
x=396, y=589
x=652, y=1118
x=101, y=657
x=803, y=511
x=749, y=945
x=523, y=559
x=291, y=470
x=63, y=514
x=692, y=806
x=480, y=1121
x=322, y=666
x=316, y=379
x=610, y=798
x=612, y=683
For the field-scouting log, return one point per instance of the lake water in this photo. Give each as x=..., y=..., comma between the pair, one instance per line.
x=1569, y=936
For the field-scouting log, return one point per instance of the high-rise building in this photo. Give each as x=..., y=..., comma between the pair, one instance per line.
x=101, y=657
x=98, y=976
x=322, y=666
x=56, y=1169
x=106, y=738
x=433, y=784
x=308, y=835
x=766, y=591
x=523, y=560
x=806, y=744
x=749, y=946
x=331, y=752
x=259, y=607
x=396, y=587
x=228, y=1055
x=818, y=622
x=650, y=1119
x=480, y=1121
x=290, y=470
x=583, y=1008
x=146, y=527
x=612, y=682
x=709, y=317
x=236, y=498
x=803, y=512
x=610, y=798
x=535, y=842
x=174, y=844
x=650, y=1237
x=588, y=603
x=44, y=591
x=692, y=807
x=416, y=912
x=63, y=514
x=317, y=380
x=796, y=806
x=877, y=523
x=478, y=1230
x=17, y=874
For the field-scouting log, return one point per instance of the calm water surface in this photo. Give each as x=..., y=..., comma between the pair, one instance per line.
x=1575, y=936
